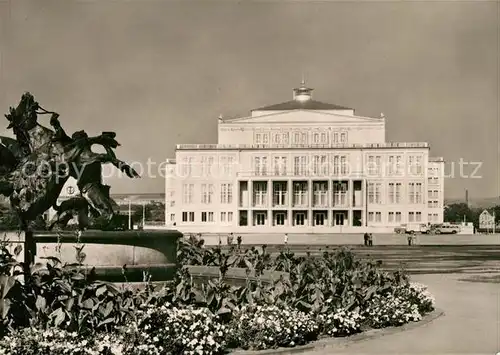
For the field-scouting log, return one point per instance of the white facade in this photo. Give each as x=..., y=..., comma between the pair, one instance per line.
x=302, y=166
x=486, y=220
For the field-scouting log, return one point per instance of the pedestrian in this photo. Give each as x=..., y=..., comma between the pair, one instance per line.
x=230, y=238
x=286, y=239
x=220, y=240
x=366, y=237
x=239, y=239
x=370, y=239
x=410, y=237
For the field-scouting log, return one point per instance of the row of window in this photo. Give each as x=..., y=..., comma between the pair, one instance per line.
x=299, y=218
x=320, y=191
x=326, y=164
x=208, y=164
x=301, y=137
x=396, y=217
x=225, y=217
x=207, y=194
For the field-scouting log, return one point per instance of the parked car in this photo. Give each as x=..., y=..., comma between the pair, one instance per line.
x=412, y=228
x=446, y=229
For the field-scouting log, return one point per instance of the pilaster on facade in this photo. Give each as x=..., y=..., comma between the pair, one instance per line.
x=289, y=219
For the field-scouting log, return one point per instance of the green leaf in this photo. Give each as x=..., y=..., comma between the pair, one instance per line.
x=69, y=304
x=77, y=277
x=88, y=303
x=223, y=310
x=4, y=308
x=100, y=291
x=108, y=309
x=106, y=321
x=59, y=316
x=6, y=283
x=41, y=303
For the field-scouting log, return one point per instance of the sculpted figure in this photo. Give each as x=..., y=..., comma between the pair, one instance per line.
x=36, y=165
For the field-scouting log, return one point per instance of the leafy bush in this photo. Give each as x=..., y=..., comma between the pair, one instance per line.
x=390, y=310
x=33, y=341
x=418, y=294
x=341, y=323
x=258, y=327
x=171, y=330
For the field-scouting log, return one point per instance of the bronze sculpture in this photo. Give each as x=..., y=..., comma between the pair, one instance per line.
x=35, y=166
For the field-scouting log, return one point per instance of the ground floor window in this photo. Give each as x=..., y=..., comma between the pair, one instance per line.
x=300, y=218
x=243, y=218
x=319, y=218
x=207, y=216
x=339, y=218
x=260, y=218
x=188, y=216
x=279, y=218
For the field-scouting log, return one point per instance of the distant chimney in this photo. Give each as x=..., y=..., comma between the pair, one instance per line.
x=467, y=198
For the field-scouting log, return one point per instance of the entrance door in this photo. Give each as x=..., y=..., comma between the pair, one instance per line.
x=319, y=219
x=339, y=219
x=279, y=219
x=260, y=219
x=300, y=218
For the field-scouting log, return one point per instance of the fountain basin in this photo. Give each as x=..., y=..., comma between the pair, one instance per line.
x=153, y=251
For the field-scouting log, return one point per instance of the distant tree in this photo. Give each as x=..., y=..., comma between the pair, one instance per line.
x=457, y=212
x=496, y=210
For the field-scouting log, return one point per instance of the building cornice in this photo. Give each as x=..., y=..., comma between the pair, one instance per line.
x=406, y=145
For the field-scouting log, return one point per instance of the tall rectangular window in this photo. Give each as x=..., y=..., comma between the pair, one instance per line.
x=260, y=166
x=279, y=166
x=260, y=193
x=419, y=193
x=226, y=193
x=300, y=166
x=300, y=194
x=187, y=193
x=411, y=192
x=319, y=164
x=391, y=193
x=399, y=165
x=374, y=193
x=398, y=193
x=320, y=194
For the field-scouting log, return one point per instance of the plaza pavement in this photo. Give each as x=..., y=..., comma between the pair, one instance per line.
x=470, y=325
x=353, y=239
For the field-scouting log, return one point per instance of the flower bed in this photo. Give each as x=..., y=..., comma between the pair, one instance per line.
x=335, y=295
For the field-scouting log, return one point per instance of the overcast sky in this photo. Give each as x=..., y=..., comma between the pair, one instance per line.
x=160, y=72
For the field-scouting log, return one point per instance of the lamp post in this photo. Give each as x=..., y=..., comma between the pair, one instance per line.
x=143, y=214
x=129, y=214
